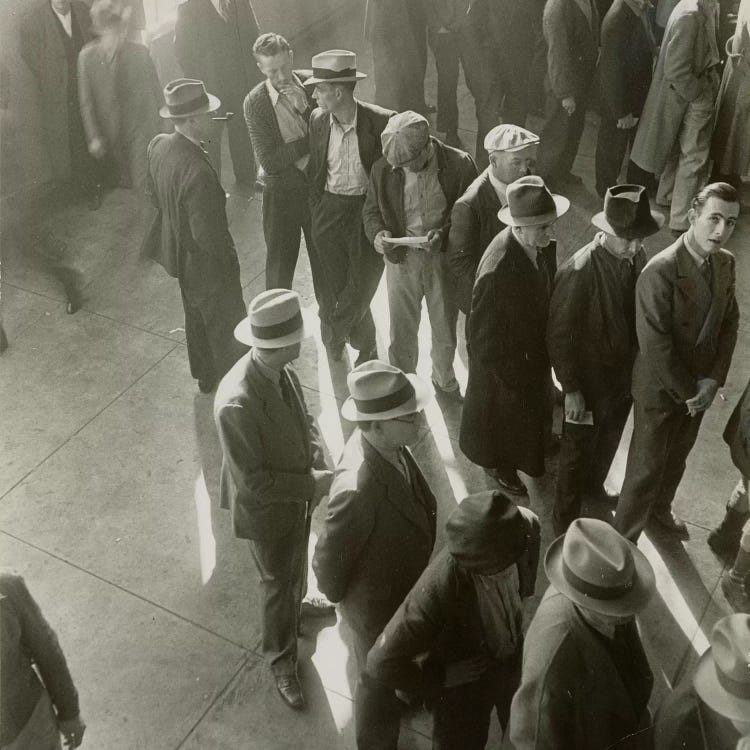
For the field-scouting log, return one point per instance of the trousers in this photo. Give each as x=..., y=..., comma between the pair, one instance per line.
x=240, y=148
x=560, y=136
x=611, y=145
x=40, y=731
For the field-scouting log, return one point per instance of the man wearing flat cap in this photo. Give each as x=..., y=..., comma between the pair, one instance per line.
x=474, y=220
x=592, y=344
x=507, y=405
x=463, y=619
x=273, y=472
x=586, y=681
x=412, y=190
x=189, y=235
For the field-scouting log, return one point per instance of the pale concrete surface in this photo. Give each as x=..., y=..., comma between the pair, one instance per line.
x=108, y=489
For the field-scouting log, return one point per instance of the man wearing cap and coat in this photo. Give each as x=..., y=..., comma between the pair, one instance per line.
x=585, y=680
x=463, y=619
x=592, y=344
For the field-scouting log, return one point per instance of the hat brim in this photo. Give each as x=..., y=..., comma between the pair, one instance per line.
x=214, y=103
x=343, y=79
x=634, y=601
x=562, y=204
x=243, y=332
x=638, y=232
x=715, y=695
x=422, y=397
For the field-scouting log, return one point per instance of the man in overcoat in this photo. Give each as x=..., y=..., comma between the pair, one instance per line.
x=507, y=398
x=592, y=344
x=686, y=320
x=273, y=472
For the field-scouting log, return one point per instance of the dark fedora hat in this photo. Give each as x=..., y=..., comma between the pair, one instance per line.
x=627, y=213
x=186, y=97
x=531, y=203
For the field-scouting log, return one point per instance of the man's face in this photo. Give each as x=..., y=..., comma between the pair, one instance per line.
x=712, y=224
x=327, y=96
x=400, y=431
x=277, y=68
x=538, y=235
x=621, y=247
x=418, y=162
x=509, y=166
x=61, y=6
x=205, y=125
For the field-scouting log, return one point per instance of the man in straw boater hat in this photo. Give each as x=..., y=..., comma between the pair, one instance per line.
x=379, y=530
x=711, y=711
x=189, y=235
x=507, y=407
x=273, y=473
x=344, y=144
x=586, y=681
x=592, y=344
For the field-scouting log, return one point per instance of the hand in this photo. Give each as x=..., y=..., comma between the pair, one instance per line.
x=575, y=406
x=569, y=105
x=323, y=479
x=381, y=246
x=465, y=671
x=72, y=731
x=434, y=240
x=97, y=148
x=627, y=122
x=707, y=389
x=295, y=95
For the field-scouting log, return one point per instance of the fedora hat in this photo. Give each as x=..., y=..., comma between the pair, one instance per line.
x=334, y=66
x=722, y=678
x=380, y=391
x=599, y=569
x=275, y=320
x=530, y=203
x=627, y=213
x=186, y=97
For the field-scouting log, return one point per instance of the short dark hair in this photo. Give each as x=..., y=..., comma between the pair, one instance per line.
x=722, y=190
x=270, y=44
x=346, y=85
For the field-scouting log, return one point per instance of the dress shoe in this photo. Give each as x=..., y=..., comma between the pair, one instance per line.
x=365, y=355
x=443, y=395
x=508, y=481
x=316, y=606
x=668, y=521
x=205, y=385
x=94, y=202
x=737, y=591
x=290, y=691
x=724, y=540
x=73, y=306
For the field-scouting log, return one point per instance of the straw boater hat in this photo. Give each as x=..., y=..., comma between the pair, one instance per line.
x=627, y=213
x=509, y=138
x=186, y=97
x=380, y=391
x=274, y=320
x=594, y=566
x=530, y=203
x=334, y=66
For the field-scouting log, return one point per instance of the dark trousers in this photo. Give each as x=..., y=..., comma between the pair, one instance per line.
x=611, y=145
x=351, y=267
x=240, y=148
x=560, y=136
x=661, y=443
x=282, y=566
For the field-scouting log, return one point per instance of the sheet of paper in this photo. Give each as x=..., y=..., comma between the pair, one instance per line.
x=588, y=418
x=405, y=240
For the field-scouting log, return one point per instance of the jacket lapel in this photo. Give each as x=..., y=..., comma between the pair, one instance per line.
x=690, y=281
x=365, y=138
x=719, y=284
x=300, y=411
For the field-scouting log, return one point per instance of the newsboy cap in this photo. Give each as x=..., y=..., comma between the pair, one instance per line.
x=509, y=137
x=404, y=136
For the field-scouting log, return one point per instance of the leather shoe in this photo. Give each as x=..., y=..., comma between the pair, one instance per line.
x=206, y=386
x=670, y=522
x=316, y=606
x=290, y=691
x=508, y=481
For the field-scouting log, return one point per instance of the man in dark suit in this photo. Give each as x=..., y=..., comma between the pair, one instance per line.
x=344, y=144
x=592, y=344
x=213, y=42
x=190, y=235
x=687, y=320
x=625, y=64
x=380, y=526
x=273, y=473
x=507, y=398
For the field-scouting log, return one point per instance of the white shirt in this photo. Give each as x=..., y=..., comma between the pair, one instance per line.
x=500, y=188
x=695, y=255
x=66, y=20
x=346, y=175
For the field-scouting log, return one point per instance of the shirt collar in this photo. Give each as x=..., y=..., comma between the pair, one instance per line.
x=62, y=16
x=501, y=188
x=694, y=254
x=353, y=125
x=633, y=5
x=273, y=376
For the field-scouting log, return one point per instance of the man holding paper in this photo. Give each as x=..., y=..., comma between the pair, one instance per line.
x=592, y=344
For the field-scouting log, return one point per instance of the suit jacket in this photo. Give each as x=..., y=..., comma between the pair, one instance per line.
x=269, y=452
x=371, y=121
x=474, y=223
x=375, y=541
x=737, y=433
x=571, y=694
x=684, y=332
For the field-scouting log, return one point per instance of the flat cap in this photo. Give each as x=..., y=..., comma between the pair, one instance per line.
x=509, y=137
x=404, y=136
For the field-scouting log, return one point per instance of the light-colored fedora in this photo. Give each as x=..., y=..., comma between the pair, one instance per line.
x=334, y=66
x=380, y=391
x=186, y=97
x=275, y=320
x=530, y=203
x=599, y=569
x=627, y=213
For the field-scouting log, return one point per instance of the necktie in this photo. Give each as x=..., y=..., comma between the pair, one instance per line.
x=707, y=272
x=286, y=390
x=541, y=264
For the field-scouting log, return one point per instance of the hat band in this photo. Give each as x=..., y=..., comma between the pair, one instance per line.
x=328, y=73
x=189, y=106
x=591, y=589
x=735, y=687
x=385, y=403
x=278, y=329
x=536, y=219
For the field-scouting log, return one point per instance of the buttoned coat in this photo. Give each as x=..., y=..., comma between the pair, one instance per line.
x=375, y=541
x=684, y=332
x=269, y=452
x=737, y=433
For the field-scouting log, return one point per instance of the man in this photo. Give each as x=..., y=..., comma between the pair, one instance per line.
x=625, y=65
x=344, y=144
x=474, y=222
x=507, y=398
x=190, y=235
x=273, y=473
x=586, y=681
x=380, y=526
x=412, y=190
x=458, y=638
x=686, y=320
x=571, y=33
x=592, y=344
x=213, y=41
x=674, y=133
